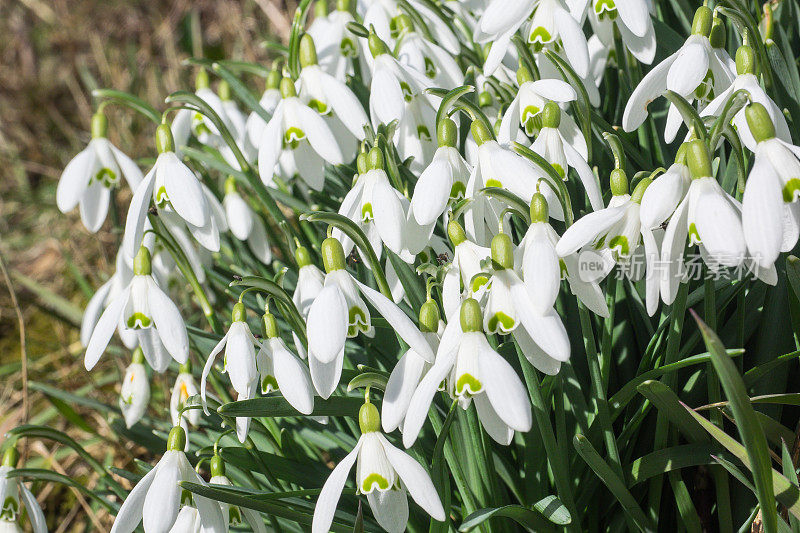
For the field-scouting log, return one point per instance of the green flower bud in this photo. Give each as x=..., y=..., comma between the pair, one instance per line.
x=141, y=263
x=447, y=132
x=551, y=115
x=99, y=125
x=270, y=326
x=638, y=191
x=376, y=45
x=164, y=140
x=701, y=25
x=429, y=317
x=760, y=123
x=288, y=90
x=137, y=358
x=484, y=99
x=523, y=75
x=308, y=52
x=456, y=233
x=273, y=79
x=471, y=316
x=201, y=81
x=404, y=23
x=375, y=159
x=745, y=60
x=239, y=312
x=217, y=466
x=321, y=8
x=302, y=256
x=502, y=252
x=230, y=185
x=332, y=255
x=698, y=160
x=619, y=182
x=177, y=439
x=539, y=209
x=11, y=457
x=224, y=91
x=480, y=132
x=368, y=418
x=717, y=37
x=361, y=162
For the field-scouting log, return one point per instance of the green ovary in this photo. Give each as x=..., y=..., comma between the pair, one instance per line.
x=468, y=380
x=269, y=383
x=791, y=191
x=502, y=319
x=371, y=479
x=560, y=170
x=458, y=190
x=706, y=87
x=620, y=242
x=138, y=321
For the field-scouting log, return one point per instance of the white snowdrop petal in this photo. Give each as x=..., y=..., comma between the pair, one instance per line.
x=327, y=324
x=504, y=389
x=104, y=329
x=293, y=378
x=183, y=189
x=169, y=323
x=332, y=491
x=763, y=214
x=75, y=179
x=130, y=513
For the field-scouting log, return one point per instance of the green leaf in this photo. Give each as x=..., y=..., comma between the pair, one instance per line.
x=522, y=515
x=412, y=284
x=667, y=402
x=790, y=472
x=309, y=474
x=668, y=459
x=749, y=427
x=128, y=100
x=277, y=406
x=55, y=477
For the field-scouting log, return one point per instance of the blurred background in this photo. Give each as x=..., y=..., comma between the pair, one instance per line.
x=52, y=54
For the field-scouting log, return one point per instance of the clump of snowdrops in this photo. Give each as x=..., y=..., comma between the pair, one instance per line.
x=452, y=246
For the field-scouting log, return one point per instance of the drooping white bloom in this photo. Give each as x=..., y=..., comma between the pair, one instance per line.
x=310, y=280
x=467, y=269
x=174, y=189
x=385, y=474
x=135, y=393
x=185, y=387
x=244, y=223
x=11, y=491
x=102, y=298
x=770, y=210
x=337, y=48
x=157, y=500
x=146, y=309
x=696, y=70
x=632, y=19
x=239, y=363
x=424, y=56
x=383, y=16
x=90, y=176
x=233, y=515
x=472, y=370
x=255, y=124
x=662, y=197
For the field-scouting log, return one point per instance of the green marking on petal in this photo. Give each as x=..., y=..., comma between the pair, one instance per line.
x=468, y=381
x=706, y=88
x=620, y=244
x=605, y=8
x=560, y=170
x=458, y=190
x=269, y=383
x=138, y=321
x=106, y=176
x=423, y=133
x=372, y=479
x=293, y=136
x=539, y=36
x=357, y=320
x=531, y=120
x=493, y=183
x=407, y=93
x=366, y=212
x=234, y=516
x=791, y=191
x=694, y=236
x=161, y=197
x=478, y=282
x=562, y=268
x=505, y=322
x=430, y=68
x=348, y=48
x=320, y=107
x=10, y=509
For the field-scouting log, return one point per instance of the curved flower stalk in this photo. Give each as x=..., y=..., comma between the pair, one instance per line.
x=337, y=48
x=746, y=80
x=698, y=70
x=543, y=269
x=174, y=189
x=146, y=309
x=135, y=393
x=239, y=363
x=632, y=19
x=11, y=491
x=770, y=210
x=385, y=474
x=90, y=176
x=102, y=298
x=442, y=182
x=296, y=141
x=472, y=370
x=424, y=56
x=233, y=515
x=244, y=223
x=332, y=99
x=158, y=501
x=616, y=233
x=280, y=369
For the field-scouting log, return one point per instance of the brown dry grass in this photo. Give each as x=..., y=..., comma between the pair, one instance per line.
x=52, y=54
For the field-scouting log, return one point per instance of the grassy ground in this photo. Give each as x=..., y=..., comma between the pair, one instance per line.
x=52, y=54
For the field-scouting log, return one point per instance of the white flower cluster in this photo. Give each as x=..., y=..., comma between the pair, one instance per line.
x=447, y=116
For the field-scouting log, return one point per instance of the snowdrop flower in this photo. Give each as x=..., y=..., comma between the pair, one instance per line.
x=255, y=124
x=385, y=474
x=552, y=146
x=185, y=387
x=696, y=70
x=473, y=371
x=146, y=309
x=709, y=217
x=542, y=336
x=770, y=210
x=424, y=56
x=617, y=234
x=747, y=80
x=189, y=123
x=135, y=393
x=11, y=490
x=102, y=298
x=467, y=268
x=280, y=369
x=91, y=175
x=174, y=189
x=384, y=16
x=543, y=270
x=632, y=19
x=443, y=181
x=239, y=362
x=332, y=99
x=296, y=141
x=244, y=223
x=233, y=515
x=156, y=501
x=409, y=370
x=310, y=280
x=336, y=46
x=552, y=25
x=662, y=197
